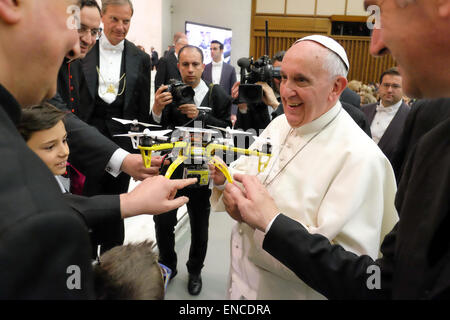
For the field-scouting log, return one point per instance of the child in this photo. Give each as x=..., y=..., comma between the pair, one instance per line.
x=130, y=272
x=124, y=272
x=43, y=129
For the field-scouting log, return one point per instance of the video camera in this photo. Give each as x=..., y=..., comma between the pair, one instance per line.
x=261, y=70
x=181, y=92
x=252, y=72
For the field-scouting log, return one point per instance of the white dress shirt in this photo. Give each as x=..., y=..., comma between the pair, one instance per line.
x=217, y=71
x=110, y=66
x=382, y=119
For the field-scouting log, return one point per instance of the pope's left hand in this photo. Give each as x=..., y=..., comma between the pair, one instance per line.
x=255, y=205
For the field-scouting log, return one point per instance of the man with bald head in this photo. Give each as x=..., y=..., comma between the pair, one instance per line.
x=168, y=65
x=415, y=263
x=321, y=163
x=45, y=249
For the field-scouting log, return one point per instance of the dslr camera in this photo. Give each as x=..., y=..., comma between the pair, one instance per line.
x=260, y=70
x=181, y=92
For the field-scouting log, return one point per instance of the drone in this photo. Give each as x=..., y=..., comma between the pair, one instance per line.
x=196, y=149
x=135, y=135
x=145, y=135
x=134, y=123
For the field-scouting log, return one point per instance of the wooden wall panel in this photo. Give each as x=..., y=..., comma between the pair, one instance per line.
x=363, y=66
x=284, y=30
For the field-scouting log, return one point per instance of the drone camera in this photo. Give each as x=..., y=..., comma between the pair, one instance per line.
x=201, y=172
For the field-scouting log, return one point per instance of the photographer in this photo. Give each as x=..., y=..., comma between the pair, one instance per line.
x=257, y=116
x=171, y=108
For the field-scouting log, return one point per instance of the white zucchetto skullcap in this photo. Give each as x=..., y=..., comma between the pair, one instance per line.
x=329, y=43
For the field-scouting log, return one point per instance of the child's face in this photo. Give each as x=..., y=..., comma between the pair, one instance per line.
x=51, y=146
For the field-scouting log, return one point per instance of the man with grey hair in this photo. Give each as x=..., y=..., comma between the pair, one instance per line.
x=168, y=65
x=318, y=173
x=415, y=262
x=117, y=75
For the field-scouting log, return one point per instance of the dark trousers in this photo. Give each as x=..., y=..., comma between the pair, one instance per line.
x=198, y=210
x=113, y=232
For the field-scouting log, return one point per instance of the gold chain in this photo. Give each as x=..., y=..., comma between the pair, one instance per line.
x=111, y=88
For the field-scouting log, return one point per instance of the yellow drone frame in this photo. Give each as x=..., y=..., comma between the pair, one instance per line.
x=188, y=150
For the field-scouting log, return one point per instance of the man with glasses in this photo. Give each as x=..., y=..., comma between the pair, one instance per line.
x=92, y=153
x=116, y=84
x=387, y=117
x=70, y=72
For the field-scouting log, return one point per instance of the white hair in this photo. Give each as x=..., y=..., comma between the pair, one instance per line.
x=334, y=65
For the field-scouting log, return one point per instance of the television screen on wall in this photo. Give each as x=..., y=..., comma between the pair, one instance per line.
x=201, y=35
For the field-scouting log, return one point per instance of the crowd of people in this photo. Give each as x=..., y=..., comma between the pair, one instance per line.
x=353, y=185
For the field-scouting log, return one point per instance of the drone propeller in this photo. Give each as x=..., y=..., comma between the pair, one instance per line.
x=195, y=130
x=232, y=131
x=204, y=108
x=262, y=140
x=135, y=122
x=147, y=133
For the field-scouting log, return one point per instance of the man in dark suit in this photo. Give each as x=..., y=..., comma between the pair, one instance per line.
x=154, y=58
x=117, y=84
x=44, y=245
x=168, y=65
x=351, y=97
x=92, y=153
x=170, y=115
x=219, y=72
x=414, y=263
x=388, y=117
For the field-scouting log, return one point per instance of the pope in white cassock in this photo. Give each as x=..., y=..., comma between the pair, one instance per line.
x=325, y=172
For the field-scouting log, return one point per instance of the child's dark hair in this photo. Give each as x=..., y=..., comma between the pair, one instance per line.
x=129, y=272
x=37, y=118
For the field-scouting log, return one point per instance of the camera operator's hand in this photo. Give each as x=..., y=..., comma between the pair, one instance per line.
x=190, y=110
x=269, y=97
x=162, y=99
x=235, y=94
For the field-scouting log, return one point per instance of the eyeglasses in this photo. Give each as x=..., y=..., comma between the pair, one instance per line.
x=95, y=32
x=394, y=86
x=166, y=273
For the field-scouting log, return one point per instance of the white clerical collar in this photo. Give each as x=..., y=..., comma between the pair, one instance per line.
x=391, y=109
x=319, y=123
x=107, y=46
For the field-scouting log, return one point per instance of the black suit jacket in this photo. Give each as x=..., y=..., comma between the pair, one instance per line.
x=390, y=139
x=154, y=58
x=351, y=97
x=424, y=115
x=137, y=89
x=90, y=151
x=69, y=76
x=415, y=263
x=42, y=232
x=227, y=78
x=358, y=116
x=167, y=69
x=257, y=117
